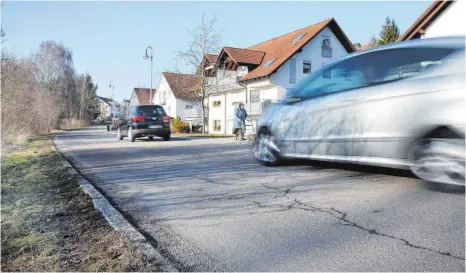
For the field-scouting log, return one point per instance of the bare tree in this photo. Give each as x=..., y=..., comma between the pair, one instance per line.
x=39, y=90
x=205, y=39
x=54, y=72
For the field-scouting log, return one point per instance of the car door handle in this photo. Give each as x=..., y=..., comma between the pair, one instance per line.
x=350, y=100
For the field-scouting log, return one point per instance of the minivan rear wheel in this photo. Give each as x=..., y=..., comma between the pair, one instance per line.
x=130, y=135
x=119, y=135
x=166, y=137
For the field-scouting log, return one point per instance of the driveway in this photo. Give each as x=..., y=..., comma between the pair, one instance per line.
x=211, y=207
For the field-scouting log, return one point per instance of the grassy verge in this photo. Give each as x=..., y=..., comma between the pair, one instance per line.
x=49, y=224
x=200, y=135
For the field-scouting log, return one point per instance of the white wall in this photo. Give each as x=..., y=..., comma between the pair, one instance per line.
x=174, y=107
x=450, y=23
x=171, y=103
x=311, y=52
x=181, y=110
x=217, y=113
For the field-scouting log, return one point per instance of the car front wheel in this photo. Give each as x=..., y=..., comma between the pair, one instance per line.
x=265, y=150
x=438, y=159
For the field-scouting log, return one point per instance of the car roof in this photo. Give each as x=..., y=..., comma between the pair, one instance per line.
x=146, y=105
x=457, y=42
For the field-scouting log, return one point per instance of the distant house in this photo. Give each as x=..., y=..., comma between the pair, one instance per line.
x=108, y=108
x=176, y=93
x=263, y=73
x=140, y=96
x=124, y=107
x=441, y=18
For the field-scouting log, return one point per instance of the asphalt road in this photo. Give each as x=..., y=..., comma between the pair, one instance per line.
x=211, y=207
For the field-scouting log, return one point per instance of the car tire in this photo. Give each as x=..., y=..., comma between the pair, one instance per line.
x=166, y=137
x=130, y=135
x=151, y=138
x=119, y=135
x=265, y=150
x=432, y=160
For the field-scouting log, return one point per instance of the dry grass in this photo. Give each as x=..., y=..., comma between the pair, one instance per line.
x=74, y=124
x=201, y=135
x=49, y=224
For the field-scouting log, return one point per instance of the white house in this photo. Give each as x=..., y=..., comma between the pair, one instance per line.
x=261, y=74
x=140, y=96
x=176, y=93
x=440, y=19
x=108, y=108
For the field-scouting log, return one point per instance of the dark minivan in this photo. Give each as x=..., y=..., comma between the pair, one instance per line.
x=145, y=121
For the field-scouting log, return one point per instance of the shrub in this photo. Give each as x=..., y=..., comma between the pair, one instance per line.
x=180, y=126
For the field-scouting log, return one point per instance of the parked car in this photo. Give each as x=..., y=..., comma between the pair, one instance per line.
x=401, y=105
x=145, y=121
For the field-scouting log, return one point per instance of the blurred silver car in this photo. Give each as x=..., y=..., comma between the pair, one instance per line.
x=401, y=105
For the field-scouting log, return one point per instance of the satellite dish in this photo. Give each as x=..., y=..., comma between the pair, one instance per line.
x=241, y=71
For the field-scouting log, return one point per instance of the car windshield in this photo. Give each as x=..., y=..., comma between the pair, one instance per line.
x=373, y=68
x=150, y=111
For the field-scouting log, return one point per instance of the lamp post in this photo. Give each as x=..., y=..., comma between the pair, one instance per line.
x=112, y=85
x=146, y=56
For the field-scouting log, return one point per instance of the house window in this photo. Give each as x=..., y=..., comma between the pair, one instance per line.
x=292, y=70
x=188, y=106
x=255, y=96
x=306, y=67
x=217, y=125
x=217, y=103
x=326, y=47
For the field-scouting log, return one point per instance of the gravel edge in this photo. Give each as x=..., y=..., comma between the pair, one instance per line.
x=115, y=218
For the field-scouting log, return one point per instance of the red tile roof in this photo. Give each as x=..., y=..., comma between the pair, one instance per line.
x=425, y=19
x=183, y=86
x=211, y=58
x=143, y=94
x=244, y=56
x=363, y=47
x=282, y=48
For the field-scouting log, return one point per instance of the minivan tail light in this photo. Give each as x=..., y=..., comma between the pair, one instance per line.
x=167, y=118
x=137, y=118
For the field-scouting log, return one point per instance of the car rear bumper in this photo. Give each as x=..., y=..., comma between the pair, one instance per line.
x=151, y=132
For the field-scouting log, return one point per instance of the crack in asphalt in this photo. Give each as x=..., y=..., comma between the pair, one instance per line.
x=284, y=191
x=342, y=220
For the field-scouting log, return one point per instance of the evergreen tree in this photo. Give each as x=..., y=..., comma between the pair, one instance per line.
x=389, y=33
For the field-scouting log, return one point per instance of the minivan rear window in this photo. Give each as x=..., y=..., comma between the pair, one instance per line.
x=150, y=111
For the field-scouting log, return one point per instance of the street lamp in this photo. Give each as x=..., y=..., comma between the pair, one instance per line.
x=146, y=56
x=112, y=85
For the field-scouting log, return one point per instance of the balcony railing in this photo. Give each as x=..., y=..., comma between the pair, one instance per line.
x=194, y=113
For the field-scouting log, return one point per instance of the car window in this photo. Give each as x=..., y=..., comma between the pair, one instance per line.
x=150, y=111
x=133, y=111
x=373, y=68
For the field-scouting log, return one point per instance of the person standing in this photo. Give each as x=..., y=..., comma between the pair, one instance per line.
x=239, y=121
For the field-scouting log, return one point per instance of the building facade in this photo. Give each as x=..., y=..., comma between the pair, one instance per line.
x=440, y=19
x=177, y=94
x=261, y=74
